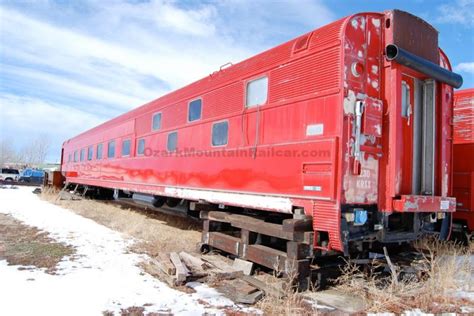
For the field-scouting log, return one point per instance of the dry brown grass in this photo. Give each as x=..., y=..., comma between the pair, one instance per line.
x=25, y=245
x=444, y=270
x=155, y=232
x=290, y=303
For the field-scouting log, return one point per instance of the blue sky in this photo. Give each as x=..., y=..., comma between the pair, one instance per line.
x=66, y=66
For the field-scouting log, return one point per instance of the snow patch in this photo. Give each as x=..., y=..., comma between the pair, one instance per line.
x=102, y=277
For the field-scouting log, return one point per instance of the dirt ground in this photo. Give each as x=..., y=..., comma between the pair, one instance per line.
x=27, y=246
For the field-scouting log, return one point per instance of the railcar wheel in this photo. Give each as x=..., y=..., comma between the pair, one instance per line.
x=172, y=202
x=158, y=201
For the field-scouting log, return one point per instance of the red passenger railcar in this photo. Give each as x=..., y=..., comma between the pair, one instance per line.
x=347, y=128
x=464, y=161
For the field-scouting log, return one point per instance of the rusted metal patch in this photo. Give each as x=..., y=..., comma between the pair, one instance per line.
x=422, y=203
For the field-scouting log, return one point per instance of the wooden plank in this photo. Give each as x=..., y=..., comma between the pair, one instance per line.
x=262, y=227
x=267, y=257
x=299, y=225
x=224, y=267
x=243, y=265
x=215, y=216
x=251, y=298
x=224, y=242
x=297, y=250
x=193, y=262
x=344, y=302
x=240, y=291
x=181, y=270
x=165, y=264
x=266, y=288
x=155, y=271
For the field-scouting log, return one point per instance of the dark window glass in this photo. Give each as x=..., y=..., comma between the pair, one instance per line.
x=156, y=121
x=126, y=148
x=83, y=154
x=172, y=141
x=195, y=110
x=141, y=147
x=98, y=154
x=220, y=133
x=75, y=156
x=111, y=149
x=90, y=153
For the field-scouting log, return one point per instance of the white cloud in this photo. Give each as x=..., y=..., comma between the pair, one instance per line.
x=465, y=67
x=24, y=118
x=460, y=11
x=105, y=57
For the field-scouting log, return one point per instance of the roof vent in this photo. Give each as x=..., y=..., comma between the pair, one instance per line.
x=301, y=43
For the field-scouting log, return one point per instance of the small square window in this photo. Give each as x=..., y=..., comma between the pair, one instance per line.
x=257, y=92
x=90, y=152
x=126, y=148
x=76, y=156
x=83, y=154
x=156, y=121
x=98, y=154
x=111, y=149
x=220, y=133
x=194, y=111
x=172, y=141
x=141, y=147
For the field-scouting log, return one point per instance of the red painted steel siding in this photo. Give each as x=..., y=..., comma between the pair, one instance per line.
x=463, y=156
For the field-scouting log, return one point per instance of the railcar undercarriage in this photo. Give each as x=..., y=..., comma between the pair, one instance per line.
x=285, y=243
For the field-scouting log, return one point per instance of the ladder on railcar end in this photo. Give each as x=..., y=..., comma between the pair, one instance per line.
x=286, y=248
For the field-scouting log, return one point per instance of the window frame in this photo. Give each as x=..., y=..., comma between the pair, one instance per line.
x=108, y=149
x=90, y=153
x=101, y=151
x=138, y=146
x=161, y=121
x=212, y=134
x=249, y=81
x=129, y=140
x=189, y=110
x=168, y=140
x=405, y=100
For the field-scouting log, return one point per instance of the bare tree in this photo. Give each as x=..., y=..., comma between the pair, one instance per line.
x=8, y=154
x=35, y=152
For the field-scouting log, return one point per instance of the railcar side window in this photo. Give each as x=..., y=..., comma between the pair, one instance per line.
x=126, y=148
x=75, y=156
x=98, y=154
x=156, y=121
x=90, y=153
x=172, y=141
x=83, y=154
x=194, y=110
x=257, y=92
x=141, y=147
x=111, y=149
x=220, y=133
x=405, y=99
x=69, y=158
